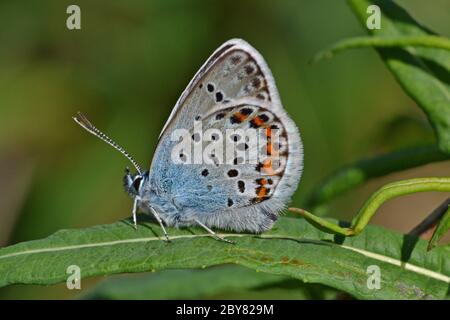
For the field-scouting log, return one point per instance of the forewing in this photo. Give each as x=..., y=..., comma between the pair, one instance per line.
x=235, y=70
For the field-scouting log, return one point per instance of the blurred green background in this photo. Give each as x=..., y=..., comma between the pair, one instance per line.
x=126, y=68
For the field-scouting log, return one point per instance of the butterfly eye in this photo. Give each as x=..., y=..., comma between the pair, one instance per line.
x=137, y=183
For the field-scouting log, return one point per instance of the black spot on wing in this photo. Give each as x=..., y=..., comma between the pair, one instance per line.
x=220, y=116
x=241, y=186
x=233, y=173
x=219, y=96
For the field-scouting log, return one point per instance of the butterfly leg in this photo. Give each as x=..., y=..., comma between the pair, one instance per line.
x=158, y=218
x=213, y=233
x=135, y=212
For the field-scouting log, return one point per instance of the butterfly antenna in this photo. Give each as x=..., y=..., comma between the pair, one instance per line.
x=88, y=126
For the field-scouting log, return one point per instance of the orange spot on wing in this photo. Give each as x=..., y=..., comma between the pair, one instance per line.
x=261, y=181
x=261, y=192
x=258, y=121
x=269, y=148
x=267, y=167
x=241, y=117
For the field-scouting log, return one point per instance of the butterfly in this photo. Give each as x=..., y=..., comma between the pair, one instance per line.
x=234, y=91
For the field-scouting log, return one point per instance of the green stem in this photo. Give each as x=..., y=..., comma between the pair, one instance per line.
x=385, y=193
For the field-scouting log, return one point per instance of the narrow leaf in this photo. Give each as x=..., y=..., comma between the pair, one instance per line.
x=292, y=248
x=184, y=284
x=424, y=73
x=441, y=229
x=383, y=42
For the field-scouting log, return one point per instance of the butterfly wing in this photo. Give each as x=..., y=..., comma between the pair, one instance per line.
x=229, y=193
x=235, y=70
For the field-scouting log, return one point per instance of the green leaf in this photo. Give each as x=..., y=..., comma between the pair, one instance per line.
x=383, y=42
x=200, y=283
x=441, y=229
x=181, y=284
x=423, y=73
x=292, y=248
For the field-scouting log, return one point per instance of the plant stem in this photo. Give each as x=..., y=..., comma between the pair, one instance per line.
x=354, y=175
x=385, y=193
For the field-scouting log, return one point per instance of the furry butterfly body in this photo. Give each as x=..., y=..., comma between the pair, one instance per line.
x=233, y=91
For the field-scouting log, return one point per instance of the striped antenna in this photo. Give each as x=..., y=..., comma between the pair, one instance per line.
x=88, y=126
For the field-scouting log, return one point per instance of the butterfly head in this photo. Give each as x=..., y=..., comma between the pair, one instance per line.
x=133, y=182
